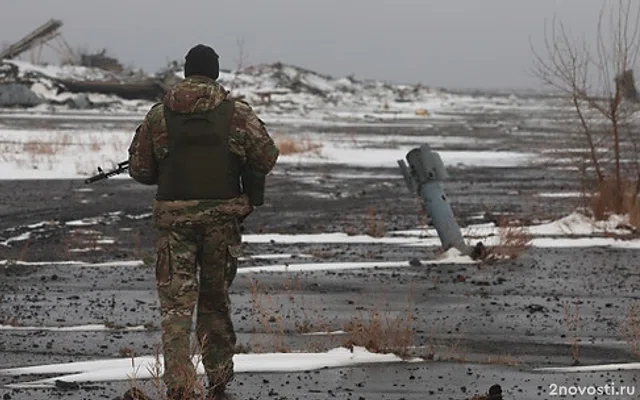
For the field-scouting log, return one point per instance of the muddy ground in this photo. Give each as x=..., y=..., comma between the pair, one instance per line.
x=476, y=326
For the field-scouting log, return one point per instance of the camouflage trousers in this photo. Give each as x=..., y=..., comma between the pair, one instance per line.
x=181, y=288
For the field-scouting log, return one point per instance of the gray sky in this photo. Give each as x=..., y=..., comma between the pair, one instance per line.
x=442, y=43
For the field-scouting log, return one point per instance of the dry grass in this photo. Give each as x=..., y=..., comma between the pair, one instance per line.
x=375, y=224
x=127, y=352
x=503, y=359
x=605, y=196
x=44, y=153
x=25, y=250
x=35, y=148
x=156, y=374
x=383, y=331
x=376, y=330
x=195, y=384
x=113, y=325
x=451, y=350
x=350, y=229
x=270, y=321
x=137, y=243
x=9, y=321
x=631, y=328
x=513, y=241
x=322, y=254
x=372, y=224
x=39, y=148
x=289, y=146
x=572, y=323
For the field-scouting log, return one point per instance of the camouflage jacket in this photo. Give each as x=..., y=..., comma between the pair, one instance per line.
x=249, y=140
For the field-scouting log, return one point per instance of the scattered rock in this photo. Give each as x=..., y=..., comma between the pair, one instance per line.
x=66, y=385
x=534, y=308
x=414, y=262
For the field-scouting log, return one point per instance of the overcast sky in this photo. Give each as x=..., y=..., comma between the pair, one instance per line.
x=443, y=43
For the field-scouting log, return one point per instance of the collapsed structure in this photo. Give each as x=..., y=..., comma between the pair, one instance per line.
x=39, y=37
x=97, y=81
x=17, y=78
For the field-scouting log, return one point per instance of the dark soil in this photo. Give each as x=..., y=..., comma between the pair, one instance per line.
x=475, y=325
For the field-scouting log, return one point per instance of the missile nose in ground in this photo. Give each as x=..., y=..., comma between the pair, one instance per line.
x=423, y=176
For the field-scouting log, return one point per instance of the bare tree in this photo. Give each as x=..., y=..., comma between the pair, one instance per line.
x=240, y=61
x=597, y=79
x=242, y=57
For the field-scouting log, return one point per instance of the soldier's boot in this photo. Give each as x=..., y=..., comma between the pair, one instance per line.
x=134, y=394
x=495, y=393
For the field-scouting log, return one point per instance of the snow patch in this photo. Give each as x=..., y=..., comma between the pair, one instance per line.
x=78, y=328
x=19, y=238
x=448, y=258
x=140, y=367
x=580, y=224
x=560, y=195
x=593, y=368
x=330, y=153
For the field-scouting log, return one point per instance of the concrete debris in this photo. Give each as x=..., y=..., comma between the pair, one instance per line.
x=17, y=95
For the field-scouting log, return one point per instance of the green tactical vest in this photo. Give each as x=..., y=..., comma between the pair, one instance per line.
x=199, y=165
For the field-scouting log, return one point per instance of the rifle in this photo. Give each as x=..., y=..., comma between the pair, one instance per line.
x=122, y=167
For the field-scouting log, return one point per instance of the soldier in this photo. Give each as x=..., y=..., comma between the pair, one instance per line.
x=200, y=148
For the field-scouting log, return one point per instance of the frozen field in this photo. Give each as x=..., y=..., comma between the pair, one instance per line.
x=340, y=242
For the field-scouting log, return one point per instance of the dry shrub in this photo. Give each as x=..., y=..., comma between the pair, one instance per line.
x=127, y=352
x=156, y=371
x=503, y=359
x=383, y=331
x=270, y=321
x=35, y=147
x=375, y=224
x=322, y=254
x=95, y=146
x=194, y=384
x=9, y=321
x=41, y=148
x=632, y=329
x=606, y=196
x=294, y=146
x=513, y=241
x=600, y=87
x=137, y=242
x=572, y=323
x=350, y=230
x=24, y=251
x=273, y=316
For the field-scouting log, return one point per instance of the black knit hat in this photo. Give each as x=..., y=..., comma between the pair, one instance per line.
x=202, y=60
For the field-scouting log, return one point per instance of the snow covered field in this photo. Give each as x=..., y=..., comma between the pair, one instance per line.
x=75, y=154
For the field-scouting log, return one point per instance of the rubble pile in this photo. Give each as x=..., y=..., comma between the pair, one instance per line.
x=97, y=81
x=26, y=85
x=278, y=88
